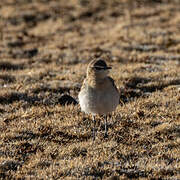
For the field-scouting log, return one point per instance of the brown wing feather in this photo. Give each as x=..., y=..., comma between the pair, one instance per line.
x=112, y=81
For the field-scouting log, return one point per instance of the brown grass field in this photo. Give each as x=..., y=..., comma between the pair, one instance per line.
x=45, y=48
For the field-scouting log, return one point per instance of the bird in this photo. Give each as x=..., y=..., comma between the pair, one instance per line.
x=98, y=94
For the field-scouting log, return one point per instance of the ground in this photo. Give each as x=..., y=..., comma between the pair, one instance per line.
x=45, y=48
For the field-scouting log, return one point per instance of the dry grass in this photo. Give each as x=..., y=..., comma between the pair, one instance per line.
x=44, y=51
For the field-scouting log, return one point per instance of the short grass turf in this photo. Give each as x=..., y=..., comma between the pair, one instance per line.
x=44, y=51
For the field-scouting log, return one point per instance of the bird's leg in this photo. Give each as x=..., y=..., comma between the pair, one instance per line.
x=105, y=124
x=94, y=124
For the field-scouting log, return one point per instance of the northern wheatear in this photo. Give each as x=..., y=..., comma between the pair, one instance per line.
x=99, y=95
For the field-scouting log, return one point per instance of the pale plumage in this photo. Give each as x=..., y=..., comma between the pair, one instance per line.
x=98, y=94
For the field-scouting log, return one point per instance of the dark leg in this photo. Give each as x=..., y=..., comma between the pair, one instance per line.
x=105, y=124
x=94, y=122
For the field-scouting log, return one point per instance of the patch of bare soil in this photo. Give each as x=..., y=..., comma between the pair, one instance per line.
x=44, y=51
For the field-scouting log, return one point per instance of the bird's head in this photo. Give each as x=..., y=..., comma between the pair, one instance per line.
x=98, y=68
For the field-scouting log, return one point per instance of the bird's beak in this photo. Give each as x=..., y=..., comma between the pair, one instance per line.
x=108, y=67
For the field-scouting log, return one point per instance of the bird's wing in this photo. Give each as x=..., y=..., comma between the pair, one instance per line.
x=112, y=81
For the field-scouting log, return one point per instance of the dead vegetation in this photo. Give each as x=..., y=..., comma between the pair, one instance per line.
x=44, y=51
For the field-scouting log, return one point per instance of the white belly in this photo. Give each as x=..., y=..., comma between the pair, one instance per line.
x=98, y=102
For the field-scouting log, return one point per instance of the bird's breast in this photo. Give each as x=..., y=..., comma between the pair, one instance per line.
x=100, y=101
